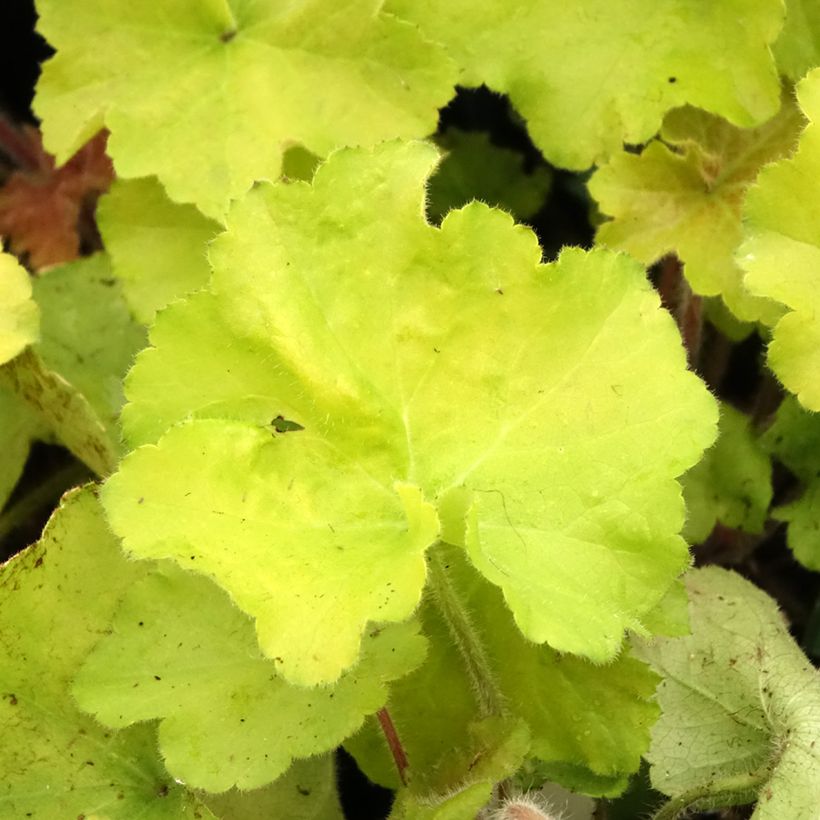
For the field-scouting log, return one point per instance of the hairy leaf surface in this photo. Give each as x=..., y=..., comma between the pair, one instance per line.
x=19, y=316
x=639, y=59
x=781, y=253
x=684, y=193
x=794, y=439
x=207, y=95
x=172, y=627
x=58, y=599
x=587, y=723
x=740, y=704
x=731, y=484
x=158, y=248
x=535, y=404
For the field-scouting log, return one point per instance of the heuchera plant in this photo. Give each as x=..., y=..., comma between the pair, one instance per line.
x=367, y=468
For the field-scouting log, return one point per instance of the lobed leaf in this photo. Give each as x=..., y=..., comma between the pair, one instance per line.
x=640, y=59
x=740, y=705
x=781, y=253
x=535, y=404
x=732, y=483
x=158, y=248
x=683, y=194
x=19, y=316
x=58, y=599
x=182, y=652
x=208, y=95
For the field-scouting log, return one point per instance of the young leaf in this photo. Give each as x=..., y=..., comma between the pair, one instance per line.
x=639, y=59
x=740, y=706
x=18, y=428
x=794, y=439
x=307, y=791
x=58, y=598
x=173, y=625
x=474, y=168
x=732, y=483
x=551, y=402
x=588, y=725
x=781, y=253
x=207, y=96
x=42, y=206
x=19, y=316
x=157, y=247
x=684, y=193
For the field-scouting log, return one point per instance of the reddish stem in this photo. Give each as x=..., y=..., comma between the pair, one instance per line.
x=393, y=743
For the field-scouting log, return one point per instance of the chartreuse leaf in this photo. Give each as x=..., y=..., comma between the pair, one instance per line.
x=581, y=104
x=19, y=317
x=71, y=380
x=550, y=402
x=307, y=791
x=241, y=724
x=794, y=439
x=588, y=725
x=684, y=193
x=18, y=428
x=781, y=253
x=208, y=95
x=798, y=47
x=58, y=599
x=474, y=168
x=732, y=483
x=740, y=706
x=157, y=247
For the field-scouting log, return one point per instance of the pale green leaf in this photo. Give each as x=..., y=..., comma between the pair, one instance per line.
x=461, y=804
x=798, y=47
x=19, y=317
x=551, y=401
x=157, y=247
x=588, y=724
x=591, y=75
x=683, y=194
x=307, y=791
x=18, y=428
x=794, y=439
x=474, y=168
x=781, y=253
x=57, y=599
x=208, y=95
x=740, y=705
x=181, y=651
x=731, y=484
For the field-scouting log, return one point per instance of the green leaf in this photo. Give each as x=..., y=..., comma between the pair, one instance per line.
x=72, y=379
x=18, y=428
x=58, y=598
x=794, y=439
x=740, y=705
x=182, y=652
x=781, y=253
x=157, y=247
x=474, y=168
x=208, y=95
x=798, y=47
x=588, y=724
x=463, y=803
x=552, y=402
x=307, y=791
x=19, y=317
x=639, y=59
x=731, y=484
x=683, y=194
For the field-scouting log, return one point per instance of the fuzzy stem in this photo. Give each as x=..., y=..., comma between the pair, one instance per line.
x=393, y=743
x=467, y=637
x=737, y=790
